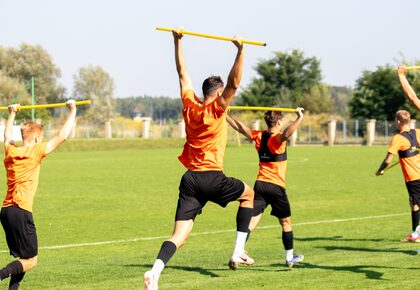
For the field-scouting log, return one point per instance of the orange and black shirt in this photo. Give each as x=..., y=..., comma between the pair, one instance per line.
x=410, y=162
x=271, y=170
x=22, y=168
x=206, y=131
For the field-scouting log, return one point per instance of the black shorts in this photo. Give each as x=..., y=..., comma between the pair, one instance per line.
x=267, y=193
x=413, y=188
x=198, y=187
x=20, y=231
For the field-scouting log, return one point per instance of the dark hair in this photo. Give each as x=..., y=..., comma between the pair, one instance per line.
x=212, y=83
x=271, y=118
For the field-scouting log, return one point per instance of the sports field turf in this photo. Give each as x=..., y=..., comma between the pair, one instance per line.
x=110, y=211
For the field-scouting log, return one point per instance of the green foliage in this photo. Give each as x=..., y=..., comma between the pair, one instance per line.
x=288, y=80
x=340, y=98
x=159, y=108
x=378, y=95
x=95, y=84
x=17, y=66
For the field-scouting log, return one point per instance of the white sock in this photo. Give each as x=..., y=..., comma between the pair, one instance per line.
x=158, y=267
x=240, y=242
x=289, y=255
x=415, y=234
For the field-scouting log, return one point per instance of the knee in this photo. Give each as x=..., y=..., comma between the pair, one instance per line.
x=247, y=197
x=30, y=263
x=286, y=222
x=415, y=207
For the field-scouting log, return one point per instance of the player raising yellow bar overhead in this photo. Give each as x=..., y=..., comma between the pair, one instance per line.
x=408, y=90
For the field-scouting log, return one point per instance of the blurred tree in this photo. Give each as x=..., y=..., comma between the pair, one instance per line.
x=95, y=84
x=17, y=66
x=159, y=108
x=287, y=80
x=340, y=98
x=378, y=95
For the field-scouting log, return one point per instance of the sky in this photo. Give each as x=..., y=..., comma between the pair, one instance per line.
x=347, y=36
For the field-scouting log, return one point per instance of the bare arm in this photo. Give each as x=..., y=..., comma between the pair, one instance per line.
x=292, y=127
x=65, y=131
x=238, y=126
x=384, y=164
x=185, y=82
x=235, y=75
x=408, y=90
x=8, y=131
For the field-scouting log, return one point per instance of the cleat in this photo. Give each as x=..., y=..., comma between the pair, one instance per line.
x=411, y=239
x=150, y=281
x=296, y=259
x=237, y=260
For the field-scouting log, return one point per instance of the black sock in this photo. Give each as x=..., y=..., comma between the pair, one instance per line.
x=415, y=217
x=243, y=218
x=15, y=280
x=12, y=268
x=166, y=252
x=287, y=238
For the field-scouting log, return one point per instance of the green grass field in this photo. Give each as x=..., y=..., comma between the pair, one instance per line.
x=110, y=211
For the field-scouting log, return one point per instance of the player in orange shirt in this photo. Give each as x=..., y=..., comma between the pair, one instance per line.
x=406, y=145
x=22, y=168
x=408, y=90
x=270, y=186
x=206, y=128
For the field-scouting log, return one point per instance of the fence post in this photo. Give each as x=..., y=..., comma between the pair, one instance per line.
x=370, y=132
x=332, y=126
x=256, y=125
x=181, y=129
x=108, y=130
x=146, y=127
x=413, y=124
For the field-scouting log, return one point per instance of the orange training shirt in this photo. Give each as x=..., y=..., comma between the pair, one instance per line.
x=410, y=166
x=206, y=132
x=22, y=169
x=273, y=172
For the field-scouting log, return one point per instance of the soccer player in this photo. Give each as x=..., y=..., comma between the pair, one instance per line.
x=270, y=186
x=405, y=144
x=203, y=154
x=22, y=168
x=408, y=90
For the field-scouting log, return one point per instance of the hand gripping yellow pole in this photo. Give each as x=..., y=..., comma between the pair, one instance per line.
x=390, y=166
x=47, y=106
x=212, y=36
x=246, y=108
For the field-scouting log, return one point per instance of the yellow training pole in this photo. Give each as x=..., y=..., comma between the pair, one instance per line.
x=47, y=106
x=212, y=36
x=413, y=67
x=391, y=166
x=285, y=110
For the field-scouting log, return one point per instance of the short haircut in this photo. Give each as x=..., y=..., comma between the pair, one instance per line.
x=403, y=117
x=272, y=117
x=30, y=130
x=212, y=83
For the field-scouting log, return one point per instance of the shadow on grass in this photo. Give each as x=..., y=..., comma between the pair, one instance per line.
x=202, y=271
x=358, y=269
x=358, y=249
x=339, y=239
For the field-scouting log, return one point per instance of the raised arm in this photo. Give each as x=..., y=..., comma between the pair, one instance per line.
x=408, y=90
x=238, y=126
x=235, y=75
x=384, y=164
x=8, y=131
x=65, y=131
x=185, y=82
x=292, y=127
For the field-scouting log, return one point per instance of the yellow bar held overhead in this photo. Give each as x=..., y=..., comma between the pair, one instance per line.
x=212, y=36
x=285, y=110
x=413, y=67
x=47, y=106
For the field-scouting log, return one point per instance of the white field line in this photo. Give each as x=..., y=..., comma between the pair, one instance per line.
x=211, y=232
